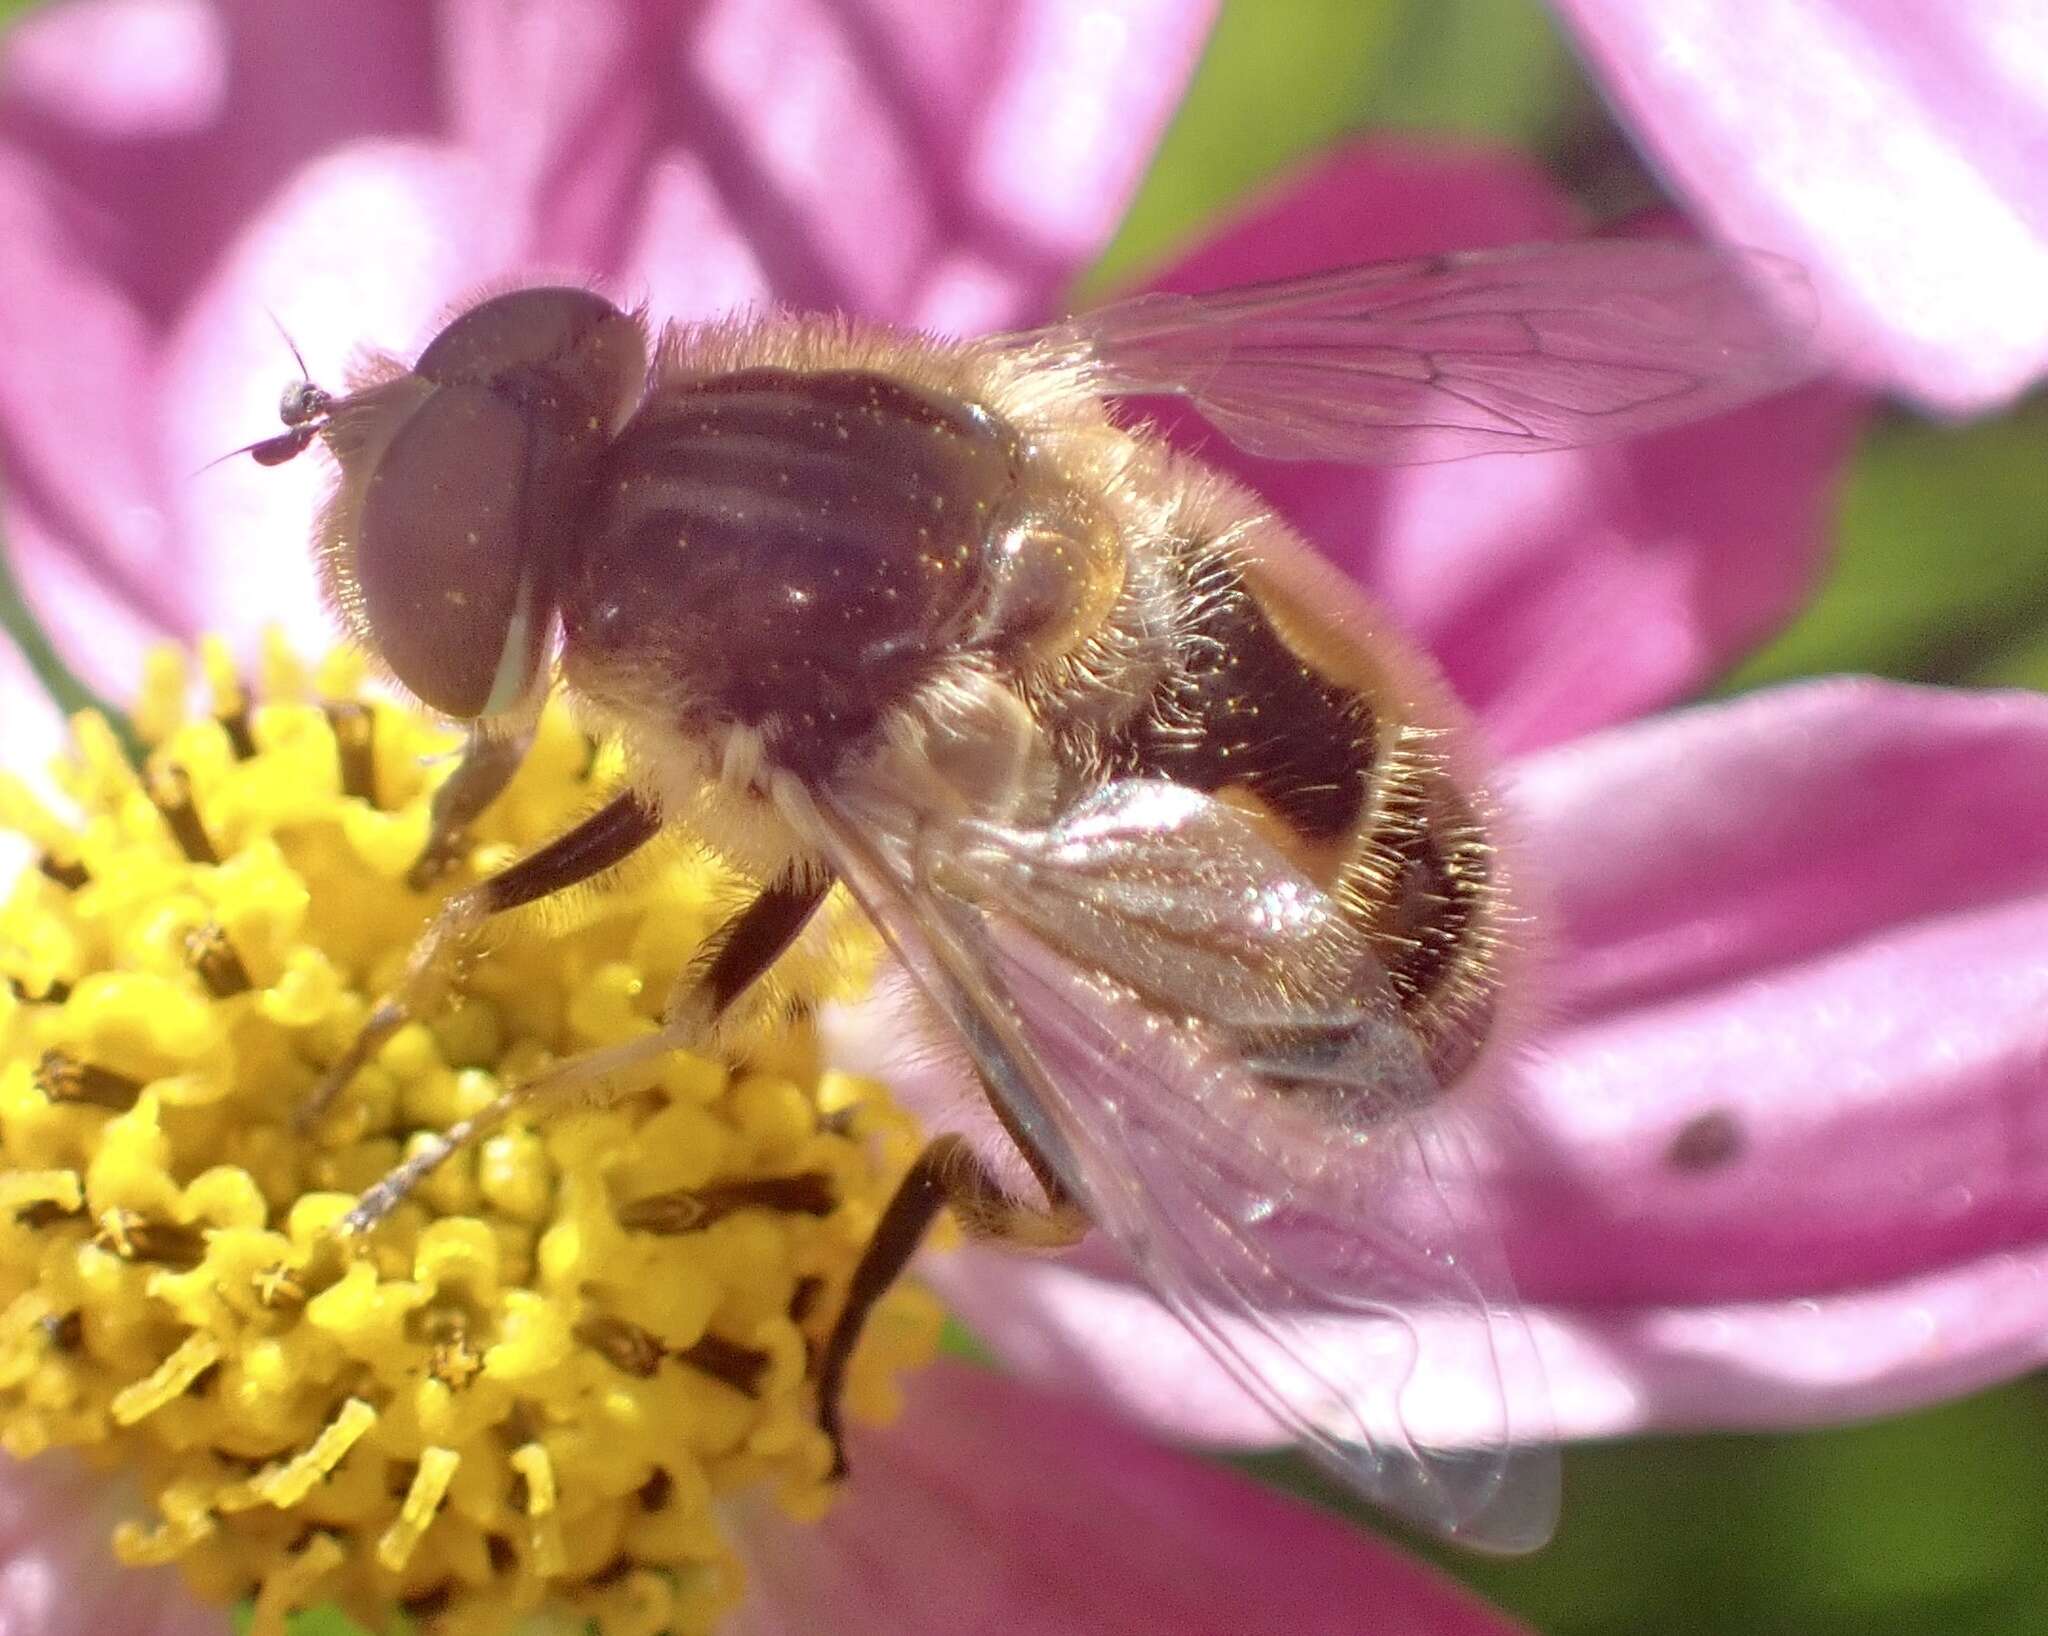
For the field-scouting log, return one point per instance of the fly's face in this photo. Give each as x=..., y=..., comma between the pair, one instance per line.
x=464, y=483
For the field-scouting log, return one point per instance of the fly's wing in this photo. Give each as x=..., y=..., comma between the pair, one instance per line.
x=1302, y=1204
x=1544, y=346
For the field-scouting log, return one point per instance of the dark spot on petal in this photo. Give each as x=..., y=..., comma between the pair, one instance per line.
x=1705, y=1142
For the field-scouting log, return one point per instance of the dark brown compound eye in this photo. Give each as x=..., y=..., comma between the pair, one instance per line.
x=463, y=483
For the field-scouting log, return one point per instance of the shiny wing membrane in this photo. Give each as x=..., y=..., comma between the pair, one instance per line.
x=1543, y=346
x=1303, y=1209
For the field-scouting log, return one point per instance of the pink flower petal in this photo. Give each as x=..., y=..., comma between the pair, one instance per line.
x=153, y=206
x=1893, y=150
x=1560, y=592
x=123, y=68
x=950, y=166
x=57, y=1573
x=77, y=458
x=1845, y=1121
x=1787, y=1364
x=170, y=174
x=1806, y=1094
x=1762, y=1365
x=1688, y=852
x=991, y=1507
x=1813, y=1040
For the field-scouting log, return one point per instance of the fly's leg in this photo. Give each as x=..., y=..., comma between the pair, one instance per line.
x=948, y=1173
x=607, y=836
x=740, y=952
x=489, y=759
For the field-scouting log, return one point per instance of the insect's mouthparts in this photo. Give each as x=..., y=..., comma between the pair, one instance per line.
x=275, y=451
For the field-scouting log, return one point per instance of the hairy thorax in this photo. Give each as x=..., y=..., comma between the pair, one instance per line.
x=844, y=563
x=839, y=555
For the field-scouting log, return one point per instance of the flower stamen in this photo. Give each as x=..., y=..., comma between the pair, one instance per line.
x=170, y=787
x=355, y=738
x=68, y=873
x=214, y=958
x=608, y=1315
x=172, y=1378
x=686, y=1209
x=63, y=1078
x=422, y=1503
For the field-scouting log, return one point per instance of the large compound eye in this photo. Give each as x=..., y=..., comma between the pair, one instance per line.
x=464, y=483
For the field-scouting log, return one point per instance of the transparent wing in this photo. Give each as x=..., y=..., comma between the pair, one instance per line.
x=1301, y=1204
x=1544, y=346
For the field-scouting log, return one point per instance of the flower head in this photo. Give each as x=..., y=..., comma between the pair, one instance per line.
x=869, y=156
x=535, y=1382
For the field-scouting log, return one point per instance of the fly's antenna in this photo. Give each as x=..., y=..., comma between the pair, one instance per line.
x=303, y=402
x=291, y=346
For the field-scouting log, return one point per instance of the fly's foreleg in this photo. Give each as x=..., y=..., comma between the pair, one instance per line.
x=489, y=759
x=741, y=951
x=605, y=838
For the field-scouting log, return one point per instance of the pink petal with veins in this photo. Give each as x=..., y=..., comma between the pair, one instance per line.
x=1689, y=853
x=1803, y=1001
x=360, y=167
x=151, y=209
x=1731, y=1366
x=992, y=1507
x=1893, y=149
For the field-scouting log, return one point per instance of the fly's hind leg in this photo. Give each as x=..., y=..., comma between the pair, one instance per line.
x=606, y=837
x=740, y=952
x=948, y=1173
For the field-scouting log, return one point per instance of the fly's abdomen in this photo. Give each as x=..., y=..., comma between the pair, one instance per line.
x=1275, y=708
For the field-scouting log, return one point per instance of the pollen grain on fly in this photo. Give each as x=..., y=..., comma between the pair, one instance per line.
x=462, y=1414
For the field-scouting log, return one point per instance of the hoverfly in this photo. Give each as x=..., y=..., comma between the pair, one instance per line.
x=1185, y=851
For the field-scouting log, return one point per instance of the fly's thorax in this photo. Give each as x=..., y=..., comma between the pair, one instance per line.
x=823, y=539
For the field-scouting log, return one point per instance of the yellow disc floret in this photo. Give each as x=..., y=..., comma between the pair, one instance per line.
x=530, y=1387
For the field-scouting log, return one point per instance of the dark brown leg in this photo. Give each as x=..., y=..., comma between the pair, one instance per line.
x=948, y=1172
x=606, y=837
x=743, y=949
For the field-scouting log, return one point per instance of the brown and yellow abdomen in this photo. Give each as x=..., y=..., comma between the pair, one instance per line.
x=1289, y=705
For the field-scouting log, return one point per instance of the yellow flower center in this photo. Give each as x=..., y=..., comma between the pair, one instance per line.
x=527, y=1390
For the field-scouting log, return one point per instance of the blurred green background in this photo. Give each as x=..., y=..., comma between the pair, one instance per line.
x=1936, y=1523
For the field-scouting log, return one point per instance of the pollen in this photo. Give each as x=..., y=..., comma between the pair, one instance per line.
x=531, y=1392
